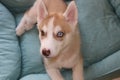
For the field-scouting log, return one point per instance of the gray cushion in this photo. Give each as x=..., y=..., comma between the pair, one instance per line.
x=116, y=6
x=30, y=45
x=104, y=67
x=18, y=5
x=100, y=29
x=10, y=57
x=36, y=77
x=66, y=75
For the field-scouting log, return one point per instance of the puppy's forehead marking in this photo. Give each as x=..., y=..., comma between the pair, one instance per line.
x=55, y=20
x=62, y=23
x=49, y=26
x=50, y=23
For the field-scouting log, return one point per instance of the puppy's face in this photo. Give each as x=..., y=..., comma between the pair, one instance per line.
x=55, y=35
x=56, y=29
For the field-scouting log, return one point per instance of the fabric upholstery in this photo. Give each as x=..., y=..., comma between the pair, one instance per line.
x=116, y=5
x=103, y=67
x=10, y=56
x=30, y=45
x=100, y=30
x=66, y=75
x=17, y=6
x=36, y=77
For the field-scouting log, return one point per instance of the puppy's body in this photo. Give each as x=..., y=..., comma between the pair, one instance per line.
x=59, y=36
x=67, y=53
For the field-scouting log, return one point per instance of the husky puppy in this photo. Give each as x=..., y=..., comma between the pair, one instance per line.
x=58, y=34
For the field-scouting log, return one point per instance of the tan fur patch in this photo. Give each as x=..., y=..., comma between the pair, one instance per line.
x=59, y=20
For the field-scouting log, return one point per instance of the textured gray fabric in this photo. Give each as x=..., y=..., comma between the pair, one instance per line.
x=10, y=56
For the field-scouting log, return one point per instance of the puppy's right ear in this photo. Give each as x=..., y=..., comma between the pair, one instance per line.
x=41, y=11
x=71, y=14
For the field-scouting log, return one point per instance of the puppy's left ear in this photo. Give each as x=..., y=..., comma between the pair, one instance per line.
x=71, y=14
x=41, y=11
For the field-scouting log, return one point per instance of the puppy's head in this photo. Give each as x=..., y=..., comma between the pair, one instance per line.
x=56, y=30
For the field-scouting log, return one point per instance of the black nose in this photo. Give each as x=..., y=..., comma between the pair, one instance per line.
x=46, y=52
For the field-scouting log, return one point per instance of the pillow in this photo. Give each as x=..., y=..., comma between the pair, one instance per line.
x=66, y=74
x=30, y=48
x=18, y=5
x=107, y=68
x=36, y=77
x=100, y=30
x=10, y=57
x=116, y=5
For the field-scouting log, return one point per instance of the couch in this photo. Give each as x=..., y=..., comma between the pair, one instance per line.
x=99, y=24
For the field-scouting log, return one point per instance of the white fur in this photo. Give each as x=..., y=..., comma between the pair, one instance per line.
x=49, y=42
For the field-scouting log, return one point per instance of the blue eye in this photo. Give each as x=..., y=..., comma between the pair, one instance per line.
x=60, y=34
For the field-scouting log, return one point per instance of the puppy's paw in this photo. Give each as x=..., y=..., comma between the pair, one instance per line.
x=24, y=26
x=20, y=30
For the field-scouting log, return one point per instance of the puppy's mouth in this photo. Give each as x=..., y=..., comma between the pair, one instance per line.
x=51, y=56
x=47, y=57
